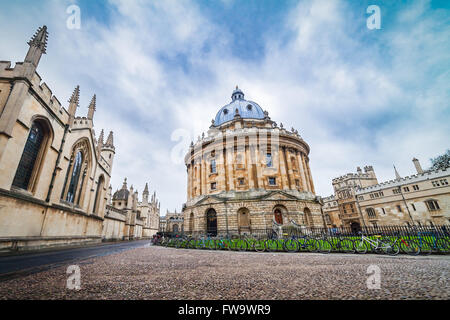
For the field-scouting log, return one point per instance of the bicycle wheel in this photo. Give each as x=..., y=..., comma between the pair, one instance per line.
x=410, y=247
x=360, y=246
x=259, y=246
x=311, y=245
x=390, y=247
x=191, y=244
x=426, y=247
x=291, y=245
x=346, y=245
x=271, y=245
x=241, y=245
x=441, y=245
x=325, y=246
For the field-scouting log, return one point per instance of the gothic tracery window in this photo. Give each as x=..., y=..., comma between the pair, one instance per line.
x=32, y=156
x=77, y=174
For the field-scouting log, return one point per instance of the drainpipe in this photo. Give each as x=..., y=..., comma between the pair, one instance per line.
x=226, y=217
x=360, y=211
x=58, y=159
x=406, y=205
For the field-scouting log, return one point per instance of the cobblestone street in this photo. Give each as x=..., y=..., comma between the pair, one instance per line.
x=165, y=273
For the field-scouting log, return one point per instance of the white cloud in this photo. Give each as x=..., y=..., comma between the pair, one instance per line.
x=152, y=76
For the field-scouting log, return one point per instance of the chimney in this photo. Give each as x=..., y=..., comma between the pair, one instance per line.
x=417, y=165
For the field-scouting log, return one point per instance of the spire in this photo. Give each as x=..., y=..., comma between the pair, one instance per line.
x=146, y=189
x=100, y=141
x=75, y=98
x=92, y=107
x=38, y=46
x=397, y=176
x=110, y=140
x=73, y=104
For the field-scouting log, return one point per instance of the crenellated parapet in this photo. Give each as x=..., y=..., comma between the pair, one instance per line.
x=427, y=175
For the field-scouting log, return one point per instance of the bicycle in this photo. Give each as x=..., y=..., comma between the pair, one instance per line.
x=436, y=243
x=221, y=244
x=273, y=244
x=323, y=245
x=307, y=243
x=205, y=242
x=379, y=244
x=408, y=246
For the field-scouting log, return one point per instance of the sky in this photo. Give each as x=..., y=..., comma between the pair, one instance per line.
x=161, y=71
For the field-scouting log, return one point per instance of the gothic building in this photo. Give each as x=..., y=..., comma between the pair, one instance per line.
x=172, y=222
x=247, y=173
x=54, y=173
x=127, y=218
x=359, y=200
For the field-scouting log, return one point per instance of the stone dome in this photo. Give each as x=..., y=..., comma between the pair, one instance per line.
x=123, y=193
x=246, y=109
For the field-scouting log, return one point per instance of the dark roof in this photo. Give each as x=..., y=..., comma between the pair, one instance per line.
x=122, y=194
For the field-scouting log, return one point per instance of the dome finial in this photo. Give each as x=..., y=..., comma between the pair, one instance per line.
x=237, y=94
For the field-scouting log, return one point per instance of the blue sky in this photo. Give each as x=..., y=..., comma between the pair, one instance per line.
x=357, y=96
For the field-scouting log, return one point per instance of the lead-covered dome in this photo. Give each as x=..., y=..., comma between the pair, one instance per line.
x=246, y=109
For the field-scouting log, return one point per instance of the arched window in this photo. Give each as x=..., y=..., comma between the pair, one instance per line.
x=75, y=177
x=191, y=222
x=77, y=174
x=31, y=156
x=98, y=194
x=211, y=222
x=308, y=217
x=244, y=219
x=278, y=216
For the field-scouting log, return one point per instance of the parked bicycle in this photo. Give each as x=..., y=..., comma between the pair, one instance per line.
x=378, y=244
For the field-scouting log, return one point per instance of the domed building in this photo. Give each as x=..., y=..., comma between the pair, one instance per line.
x=247, y=173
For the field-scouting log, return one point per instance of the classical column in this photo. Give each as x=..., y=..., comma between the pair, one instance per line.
x=305, y=171
x=300, y=171
x=290, y=169
x=220, y=168
x=258, y=162
x=310, y=177
x=249, y=167
x=204, y=171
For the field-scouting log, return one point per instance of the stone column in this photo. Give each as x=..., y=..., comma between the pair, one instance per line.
x=251, y=183
x=258, y=162
x=305, y=172
x=300, y=171
x=290, y=169
x=283, y=170
x=204, y=167
x=310, y=177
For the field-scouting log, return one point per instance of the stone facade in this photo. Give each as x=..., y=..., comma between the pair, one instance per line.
x=247, y=172
x=54, y=173
x=172, y=222
x=359, y=200
x=127, y=218
x=341, y=209
x=420, y=199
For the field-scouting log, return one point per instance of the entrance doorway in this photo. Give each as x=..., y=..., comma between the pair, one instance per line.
x=244, y=220
x=278, y=216
x=356, y=227
x=211, y=222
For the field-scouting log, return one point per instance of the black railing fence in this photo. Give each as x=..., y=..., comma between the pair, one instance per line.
x=287, y=231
